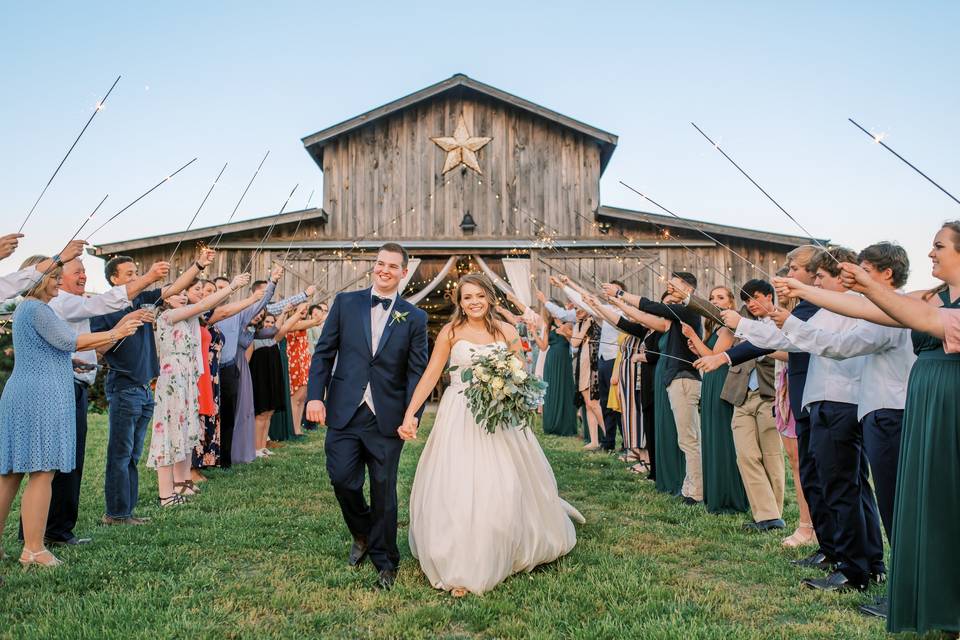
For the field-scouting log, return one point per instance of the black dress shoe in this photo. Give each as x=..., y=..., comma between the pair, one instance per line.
x=358, y=552
x=836, y=581
x=816, y=560
x=386, y=578
x=764, y=525
x=687, y=500
x=878, y=609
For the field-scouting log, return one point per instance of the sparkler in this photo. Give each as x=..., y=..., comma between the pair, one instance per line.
x=269, y=230
x=93, y=115
x=88, y=219
x=764, y=192
x=203, y=202
x=879, y=140
x=141, y=197
x=216, y=238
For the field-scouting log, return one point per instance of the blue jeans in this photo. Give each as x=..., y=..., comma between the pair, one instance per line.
x=131, y=411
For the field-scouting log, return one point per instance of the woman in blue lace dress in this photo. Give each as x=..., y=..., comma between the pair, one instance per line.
x=39, y=438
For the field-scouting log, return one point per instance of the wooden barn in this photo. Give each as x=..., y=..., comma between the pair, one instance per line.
x=468, y=177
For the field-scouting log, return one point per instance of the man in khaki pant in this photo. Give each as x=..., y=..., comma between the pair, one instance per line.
x=750, y=389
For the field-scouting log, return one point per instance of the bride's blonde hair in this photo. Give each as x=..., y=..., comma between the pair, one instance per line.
x=459, y=318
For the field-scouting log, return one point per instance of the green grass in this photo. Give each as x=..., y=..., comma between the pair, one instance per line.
x=262, y=554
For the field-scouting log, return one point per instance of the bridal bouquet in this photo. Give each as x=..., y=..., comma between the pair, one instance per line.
x=499, y=392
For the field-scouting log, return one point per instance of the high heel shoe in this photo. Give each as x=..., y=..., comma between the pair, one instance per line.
x=31, y=558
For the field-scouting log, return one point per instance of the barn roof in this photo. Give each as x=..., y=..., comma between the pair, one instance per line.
x=669, y=222
x=458, y=83
x=205, y=233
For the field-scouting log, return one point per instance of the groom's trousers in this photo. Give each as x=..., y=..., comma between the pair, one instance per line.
x=352, y=451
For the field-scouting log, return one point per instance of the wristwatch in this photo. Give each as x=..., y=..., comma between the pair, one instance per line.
x=57, y=261
x=620, y=293
x=200, y=267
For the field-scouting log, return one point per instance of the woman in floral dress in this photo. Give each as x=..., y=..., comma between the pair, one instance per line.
x=176, y=417
x=298, y=357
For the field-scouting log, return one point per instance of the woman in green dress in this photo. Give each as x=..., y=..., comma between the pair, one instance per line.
x=723, y=490
x=281, y=422
x=559, y=413
x=671, y=464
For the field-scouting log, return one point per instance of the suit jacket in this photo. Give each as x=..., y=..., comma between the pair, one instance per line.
x=736, y=386
x=796, y=367
x=344, y=363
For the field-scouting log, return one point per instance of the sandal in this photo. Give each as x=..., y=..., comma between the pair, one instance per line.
x=458, y=592
x=641, y=467
x=172, y=501
x=29, y=558
x=186, y=485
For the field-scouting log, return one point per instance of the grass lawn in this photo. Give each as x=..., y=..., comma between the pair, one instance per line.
x=262, y=553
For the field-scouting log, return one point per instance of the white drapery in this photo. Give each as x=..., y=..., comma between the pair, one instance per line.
x=518, y=274
x=423, y=293
x=497, y=280
x=412, y=265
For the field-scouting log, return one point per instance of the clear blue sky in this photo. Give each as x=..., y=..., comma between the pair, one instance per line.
x=226, y=81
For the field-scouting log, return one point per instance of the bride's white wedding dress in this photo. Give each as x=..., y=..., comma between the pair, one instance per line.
x=483, y=505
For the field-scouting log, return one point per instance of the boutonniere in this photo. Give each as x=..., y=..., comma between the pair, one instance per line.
x=399, y=316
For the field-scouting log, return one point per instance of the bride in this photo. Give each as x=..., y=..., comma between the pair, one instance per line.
x=483, y=505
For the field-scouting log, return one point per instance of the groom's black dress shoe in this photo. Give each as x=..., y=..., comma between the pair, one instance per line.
x=358, y=551
x=816, y=560
x=386, y=578
x=836, y=581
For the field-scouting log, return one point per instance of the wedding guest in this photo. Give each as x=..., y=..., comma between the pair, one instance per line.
x=133, y=365
x=586, y=336
x=72, y=306
x=559, y=412
x=221, y=282
x=298, y=358
x=680, y=377
x=39, y=439
x=176, y=427
x=266, y=371
x=804, y=534
x=318, y=313
x=234, y=328
x=663, y=449
x=723, y=490
x=26, y=278
x=801, y=264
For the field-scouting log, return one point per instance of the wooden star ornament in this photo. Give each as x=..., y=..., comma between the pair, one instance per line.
x=461, y=148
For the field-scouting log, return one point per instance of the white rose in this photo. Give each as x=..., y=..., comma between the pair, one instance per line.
x=497, y=383
x=515, y=364
x=484, y=377
x=519, y=376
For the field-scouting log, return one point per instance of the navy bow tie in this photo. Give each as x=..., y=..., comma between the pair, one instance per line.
x=384, y=302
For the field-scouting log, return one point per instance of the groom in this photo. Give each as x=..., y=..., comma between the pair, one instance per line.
x=368, y=361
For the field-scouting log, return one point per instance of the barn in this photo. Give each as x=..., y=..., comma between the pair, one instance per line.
x=469, y=177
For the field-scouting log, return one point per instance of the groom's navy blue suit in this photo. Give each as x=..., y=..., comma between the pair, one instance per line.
x=343, y=364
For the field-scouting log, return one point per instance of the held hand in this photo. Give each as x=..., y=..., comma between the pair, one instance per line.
x=512, y=298
x=128, y=325
x=541, y=297
x=788, y=287
x=302, y=310
x=159, y=271
x=610, y=289
x=710, y=363
x=555, y=282
x=73, y=249
x=408, y=430
x=240, y=281
x=731, y=319
x=853, y=277
x=276, y=273
x=310, y=291
x=205, y=257
x=8, y=244
x=779, y=315
x=688, y=331
x=564, y=280
x=317, y=412
x=591, y=300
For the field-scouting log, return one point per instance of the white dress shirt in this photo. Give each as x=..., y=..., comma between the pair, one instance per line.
x=608, y=332
x=77, y=311
x=827, y=380
x=13, y=284
x=888, y=358
x=378, y=322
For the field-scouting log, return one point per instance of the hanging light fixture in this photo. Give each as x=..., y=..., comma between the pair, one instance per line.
x=467, y=225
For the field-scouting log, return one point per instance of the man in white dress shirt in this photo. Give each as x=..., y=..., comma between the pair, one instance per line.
x=76, y=309
x=16, y=283
x=831, y=394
